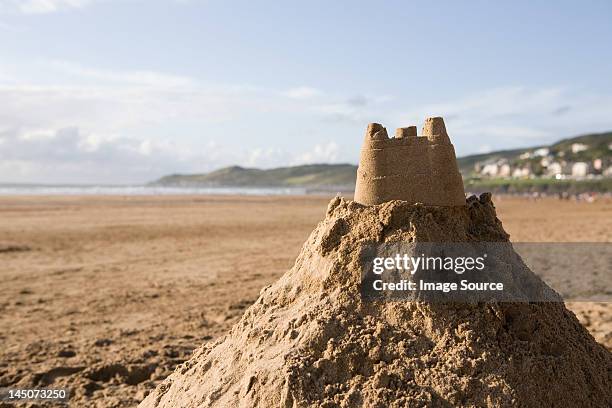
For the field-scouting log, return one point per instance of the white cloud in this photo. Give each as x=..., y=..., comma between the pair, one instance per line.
x=263, y=157
x=9, y=27
x=516, y=116
x=320, y=153
x=357, y=109
x=134, y=78
x=302, y=92
x=68, y=155
x=42, y=6
x=109, y=102
x=92, y=125
x=98, y=122
x=91, y=130
x=328, y=152
x=484, y=149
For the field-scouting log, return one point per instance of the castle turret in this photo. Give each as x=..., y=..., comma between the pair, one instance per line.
x=435, y=130
x=418, y=169
x=376, y=131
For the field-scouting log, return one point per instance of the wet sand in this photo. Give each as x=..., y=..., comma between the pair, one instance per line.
x=107, y=295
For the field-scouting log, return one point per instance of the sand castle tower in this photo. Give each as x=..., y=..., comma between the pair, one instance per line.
x=417, y=169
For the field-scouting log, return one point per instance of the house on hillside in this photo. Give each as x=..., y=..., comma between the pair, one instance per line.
x=490, y=169
x=579, y=147
x=521, y=172
x=553, y=169
x=598, y=164
x=505, y=170
x=541, y=152
x=498, y=168
x=580, y=169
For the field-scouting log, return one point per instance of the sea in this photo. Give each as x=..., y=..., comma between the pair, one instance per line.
x=129, y=190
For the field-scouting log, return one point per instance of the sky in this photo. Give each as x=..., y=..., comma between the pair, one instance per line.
x=125, y=91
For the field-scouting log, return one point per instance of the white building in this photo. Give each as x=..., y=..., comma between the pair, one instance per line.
x=541, y=152
x=579, y=147
x=505, y=170
x=597, y=164
x=521, y=172
x=490, y=169
x=554, y=168
x=580, y=169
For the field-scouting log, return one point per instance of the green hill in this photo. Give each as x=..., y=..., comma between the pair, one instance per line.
x=311, y=175
x=597, y=147
x=343, y=175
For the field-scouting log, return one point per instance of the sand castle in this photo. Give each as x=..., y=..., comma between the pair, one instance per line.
x=408, y=167
x=311, y=340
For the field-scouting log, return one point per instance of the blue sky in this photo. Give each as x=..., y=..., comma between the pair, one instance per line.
x=124, y=91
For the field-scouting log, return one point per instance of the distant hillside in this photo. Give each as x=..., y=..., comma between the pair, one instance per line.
x=312, y=175
x=344, y=175
x=597, y=147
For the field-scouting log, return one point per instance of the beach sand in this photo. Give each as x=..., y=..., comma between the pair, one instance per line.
x=107, y=295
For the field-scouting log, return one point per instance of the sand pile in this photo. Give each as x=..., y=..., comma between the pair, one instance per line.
x=311, y=341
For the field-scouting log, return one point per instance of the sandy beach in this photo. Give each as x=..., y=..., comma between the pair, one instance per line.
x=107, y=294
